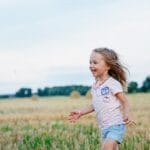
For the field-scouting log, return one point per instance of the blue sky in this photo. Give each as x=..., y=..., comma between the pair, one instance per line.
x=47, y=43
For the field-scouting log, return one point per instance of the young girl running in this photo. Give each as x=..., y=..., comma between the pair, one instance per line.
x=108, y=97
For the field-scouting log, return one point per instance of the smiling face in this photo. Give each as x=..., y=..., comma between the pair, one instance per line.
x=98, y=66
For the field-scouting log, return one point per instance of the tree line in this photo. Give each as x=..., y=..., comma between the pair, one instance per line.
x=66, y=90
x=134, y=88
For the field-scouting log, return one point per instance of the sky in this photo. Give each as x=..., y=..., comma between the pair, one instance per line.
x=49, y=42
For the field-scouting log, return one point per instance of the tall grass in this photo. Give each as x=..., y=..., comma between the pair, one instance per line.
x=43, y=125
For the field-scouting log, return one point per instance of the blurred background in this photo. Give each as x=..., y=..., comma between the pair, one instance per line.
x=48, y=43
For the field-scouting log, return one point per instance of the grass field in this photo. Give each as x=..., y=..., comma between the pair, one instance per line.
x=42, y=125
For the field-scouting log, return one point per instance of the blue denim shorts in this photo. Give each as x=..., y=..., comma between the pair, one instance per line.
x=115, y=132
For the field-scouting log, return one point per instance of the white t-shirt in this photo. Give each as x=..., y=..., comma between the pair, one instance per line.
x=106, y=104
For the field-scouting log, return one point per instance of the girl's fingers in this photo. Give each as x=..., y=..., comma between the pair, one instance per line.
x=72, y=118
x=130, y=122
x=73, y=113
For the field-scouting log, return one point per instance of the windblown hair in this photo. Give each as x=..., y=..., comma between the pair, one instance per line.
x=117, y=70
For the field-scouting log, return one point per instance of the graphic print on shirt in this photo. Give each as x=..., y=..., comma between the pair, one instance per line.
x=104, y=93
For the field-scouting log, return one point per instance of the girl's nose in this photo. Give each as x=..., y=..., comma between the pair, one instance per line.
x=90, y=66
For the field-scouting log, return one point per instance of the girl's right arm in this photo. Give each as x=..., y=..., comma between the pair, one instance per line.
x=75, y=115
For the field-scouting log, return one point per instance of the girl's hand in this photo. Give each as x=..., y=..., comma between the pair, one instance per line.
x=128, y=120
x=75, y=115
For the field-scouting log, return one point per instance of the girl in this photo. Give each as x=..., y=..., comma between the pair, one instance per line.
x=108, y=97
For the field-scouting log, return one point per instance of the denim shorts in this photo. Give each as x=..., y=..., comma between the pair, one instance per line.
x=115, y=132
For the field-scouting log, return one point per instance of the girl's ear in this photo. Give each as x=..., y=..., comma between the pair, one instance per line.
x=108, y=67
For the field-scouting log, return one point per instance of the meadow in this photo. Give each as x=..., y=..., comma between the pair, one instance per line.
x=42, y=124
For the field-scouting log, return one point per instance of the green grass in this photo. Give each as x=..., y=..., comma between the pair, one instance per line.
x=56, y=136
x=62, y=136
x=43, y=125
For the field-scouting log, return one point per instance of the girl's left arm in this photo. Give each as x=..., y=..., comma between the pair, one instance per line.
x=126, y=109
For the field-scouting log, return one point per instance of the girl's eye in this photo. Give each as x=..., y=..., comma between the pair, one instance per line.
x=94, y=62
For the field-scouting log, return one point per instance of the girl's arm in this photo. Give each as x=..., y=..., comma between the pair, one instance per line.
x=74, y=115
x=126, y=109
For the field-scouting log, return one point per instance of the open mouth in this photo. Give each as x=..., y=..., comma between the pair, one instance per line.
x=93, y=71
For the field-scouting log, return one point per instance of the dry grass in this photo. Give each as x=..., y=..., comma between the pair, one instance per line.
x=50, y=108
x=18, y=114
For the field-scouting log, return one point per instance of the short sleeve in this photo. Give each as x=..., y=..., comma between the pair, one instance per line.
x=116, y=87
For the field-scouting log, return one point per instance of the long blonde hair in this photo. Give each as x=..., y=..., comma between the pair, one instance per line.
x=117, y=70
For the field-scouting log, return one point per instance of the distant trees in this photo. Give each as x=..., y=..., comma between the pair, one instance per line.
x=4, y=96
x=83, y=90
x=133, y=86
x=62, y=90
x=24, y=92
x=146, y=85
x=53, y=91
